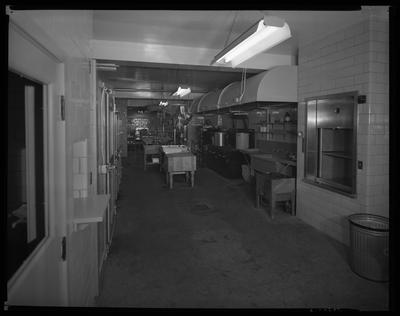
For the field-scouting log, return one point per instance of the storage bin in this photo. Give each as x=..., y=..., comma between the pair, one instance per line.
x=369, y=246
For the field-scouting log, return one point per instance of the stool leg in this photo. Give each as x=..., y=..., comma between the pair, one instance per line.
x=293, y=203
x=171, y=180
x=192, y=178
x=272, y=204
x=187, y=177
x=166, y=178
x=257, y=200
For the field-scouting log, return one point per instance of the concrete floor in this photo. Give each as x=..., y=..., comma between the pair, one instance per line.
x=208, y=247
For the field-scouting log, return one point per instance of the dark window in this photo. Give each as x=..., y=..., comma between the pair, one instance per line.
x=25, y=170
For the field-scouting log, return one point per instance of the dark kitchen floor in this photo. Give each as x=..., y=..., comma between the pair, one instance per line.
x=208, y=247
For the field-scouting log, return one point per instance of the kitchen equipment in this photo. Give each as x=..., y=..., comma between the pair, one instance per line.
x=219, y=139
x=242, y=140
x=225, y=160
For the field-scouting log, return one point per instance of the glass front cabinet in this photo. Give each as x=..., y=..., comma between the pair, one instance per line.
x=330, y=148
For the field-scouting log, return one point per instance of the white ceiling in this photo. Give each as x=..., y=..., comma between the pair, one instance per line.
x=203, y=29
x=212, y=29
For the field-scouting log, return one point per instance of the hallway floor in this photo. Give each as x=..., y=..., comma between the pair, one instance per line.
x=208, y=247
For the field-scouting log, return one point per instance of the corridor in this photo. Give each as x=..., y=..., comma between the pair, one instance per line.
x=208, y=247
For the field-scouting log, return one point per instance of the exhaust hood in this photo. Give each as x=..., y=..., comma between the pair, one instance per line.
x=209, y=101
x=278, y=84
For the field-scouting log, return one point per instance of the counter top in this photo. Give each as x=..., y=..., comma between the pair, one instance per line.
x=90, y=209
x=171, y=149
x=274, y=158
x=250, y=150
x=179, y=154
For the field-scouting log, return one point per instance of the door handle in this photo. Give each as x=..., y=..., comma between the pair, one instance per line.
x=103, y=169
x=110, y=167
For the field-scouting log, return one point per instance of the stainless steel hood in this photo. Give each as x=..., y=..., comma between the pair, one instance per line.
x=193, y=106
x=230, y=95
x=278, y=84
x=209, y=101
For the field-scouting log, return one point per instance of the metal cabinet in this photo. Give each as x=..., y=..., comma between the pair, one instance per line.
x=330, y=151
x=335, y=112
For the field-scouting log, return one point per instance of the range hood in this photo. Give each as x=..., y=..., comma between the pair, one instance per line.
x=209, y=101
x=193, y=106
x=230, y=95
x=278, y=84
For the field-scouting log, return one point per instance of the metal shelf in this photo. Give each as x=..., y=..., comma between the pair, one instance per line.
x=338, y=154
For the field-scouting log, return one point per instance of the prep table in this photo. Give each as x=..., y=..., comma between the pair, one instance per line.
x=275, y=180
x=178, y=160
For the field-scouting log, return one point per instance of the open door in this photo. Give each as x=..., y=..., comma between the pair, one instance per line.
x=35, y=272
x=109, y=167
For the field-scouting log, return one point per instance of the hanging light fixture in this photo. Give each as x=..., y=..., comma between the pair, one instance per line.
x=182, y=92
x=263, y=35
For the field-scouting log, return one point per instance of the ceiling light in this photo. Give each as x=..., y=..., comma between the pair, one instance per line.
x=106, y=67
x=263, y=35
x=181, y=92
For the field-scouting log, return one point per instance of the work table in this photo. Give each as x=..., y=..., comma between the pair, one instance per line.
x=178, y=159
x=275, y=179
x=267, y=162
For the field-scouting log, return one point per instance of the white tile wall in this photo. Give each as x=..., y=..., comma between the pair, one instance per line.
x=81, y=160
x=352, y=59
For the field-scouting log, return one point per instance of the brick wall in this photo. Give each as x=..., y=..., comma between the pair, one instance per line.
x=355, y=58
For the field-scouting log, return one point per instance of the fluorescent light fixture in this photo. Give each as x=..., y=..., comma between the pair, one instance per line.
x=263, y=35
x=181, y=92
x=106, y=67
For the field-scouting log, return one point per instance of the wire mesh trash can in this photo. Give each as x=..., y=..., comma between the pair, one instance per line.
x=369, y=246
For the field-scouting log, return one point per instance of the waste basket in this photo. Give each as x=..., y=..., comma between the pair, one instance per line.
x=369, y=246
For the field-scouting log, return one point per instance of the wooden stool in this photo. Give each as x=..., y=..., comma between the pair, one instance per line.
x=275, y=187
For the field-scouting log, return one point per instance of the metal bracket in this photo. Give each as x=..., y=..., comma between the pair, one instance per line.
x=62, y=108
x=361, y=99
x=64, y=248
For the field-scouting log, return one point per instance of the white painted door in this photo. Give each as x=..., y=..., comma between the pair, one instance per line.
x=41, y=278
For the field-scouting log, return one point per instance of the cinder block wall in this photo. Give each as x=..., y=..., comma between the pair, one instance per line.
x=355, y=58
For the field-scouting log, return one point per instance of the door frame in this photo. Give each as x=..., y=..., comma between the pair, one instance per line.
x=48, y=70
